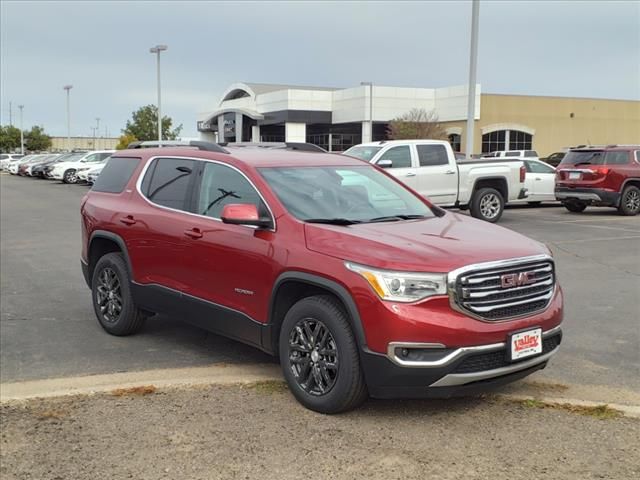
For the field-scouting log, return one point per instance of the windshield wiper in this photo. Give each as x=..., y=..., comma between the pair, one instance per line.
x=583, y=163
x=333, y=221
x=395, y=218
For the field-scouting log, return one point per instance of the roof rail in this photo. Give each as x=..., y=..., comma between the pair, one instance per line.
x=200, y=145
x=300, y=146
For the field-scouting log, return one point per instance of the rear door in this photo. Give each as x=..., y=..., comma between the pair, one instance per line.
x=403, y=164
x=540, y=181
x=437, y=177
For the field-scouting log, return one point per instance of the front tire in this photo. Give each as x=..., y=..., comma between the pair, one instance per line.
x=70, y=176
x=319, y=356
x=575, y=206
x=487, y=204
x=112, y=300
x=630, y=201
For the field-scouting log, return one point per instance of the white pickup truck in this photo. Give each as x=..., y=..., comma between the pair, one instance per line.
x=430, y=168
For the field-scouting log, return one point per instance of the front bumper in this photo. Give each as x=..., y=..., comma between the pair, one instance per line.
x=451, y=372
x=591, y=196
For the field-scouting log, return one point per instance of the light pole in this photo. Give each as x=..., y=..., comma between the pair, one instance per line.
x=97, y=127
x=157, y=49
x=21, y=131
x=370, y=85
x=473, y=65
x=68, y=89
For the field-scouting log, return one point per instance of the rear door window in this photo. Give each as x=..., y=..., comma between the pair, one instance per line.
x=169, y=182
x=515, y=153
x=400, y=156
x=115, y=175
x=432, y=155
x=616, y=158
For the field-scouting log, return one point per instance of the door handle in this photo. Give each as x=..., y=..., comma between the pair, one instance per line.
x=194, y=233
x=450, y=172
x=410, y=174
x=128, y=220
x=538, y=179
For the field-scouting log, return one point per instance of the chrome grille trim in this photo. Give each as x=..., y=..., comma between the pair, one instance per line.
x=476, y=290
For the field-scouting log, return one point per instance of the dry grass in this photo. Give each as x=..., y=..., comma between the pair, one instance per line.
x=134, y=391
x=602, y=412
x=269, y=387
x=50, y=414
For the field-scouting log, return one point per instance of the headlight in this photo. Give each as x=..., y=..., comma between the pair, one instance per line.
x=402, y=286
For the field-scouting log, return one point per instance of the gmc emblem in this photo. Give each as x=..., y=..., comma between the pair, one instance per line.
x=517, y=279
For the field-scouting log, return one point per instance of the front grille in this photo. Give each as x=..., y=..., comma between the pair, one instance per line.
x=497, y=293
x=498, y=359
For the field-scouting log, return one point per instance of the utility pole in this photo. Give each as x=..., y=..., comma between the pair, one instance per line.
x=473, y=65
x=68, y=89
x=97, y=128
x=157, y=49
x=21, y=131
x=10, y=115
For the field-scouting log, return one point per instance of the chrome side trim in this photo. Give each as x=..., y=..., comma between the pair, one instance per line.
x=452, y=356
x=454, y=379
x=150, y=161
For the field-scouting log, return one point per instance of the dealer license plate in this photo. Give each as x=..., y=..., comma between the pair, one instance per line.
x=574, y=175
x=526, y=344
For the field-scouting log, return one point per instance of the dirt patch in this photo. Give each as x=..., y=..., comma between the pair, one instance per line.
x=603, y=412
x=134, y=391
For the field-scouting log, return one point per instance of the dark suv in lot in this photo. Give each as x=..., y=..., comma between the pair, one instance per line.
x=358, y=284
x=600, y=176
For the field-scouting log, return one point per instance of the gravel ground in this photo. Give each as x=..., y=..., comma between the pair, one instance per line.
x=259, y=431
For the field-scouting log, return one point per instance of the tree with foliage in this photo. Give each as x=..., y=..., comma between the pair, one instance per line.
x=125, y=140
x=418, y=123
x=144, y=125
x=9, y=138
x=35, y=140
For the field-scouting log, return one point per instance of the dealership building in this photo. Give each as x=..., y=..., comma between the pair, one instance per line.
x=337, y=118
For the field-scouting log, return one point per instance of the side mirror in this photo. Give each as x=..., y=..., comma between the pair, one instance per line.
x=385, y=163
x=243, y=214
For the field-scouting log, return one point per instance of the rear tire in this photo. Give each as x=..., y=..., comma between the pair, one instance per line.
x=630, y=201
x=70, y=176
x=575, y=206
x=319, y=356
x=487, y=204
x=112, y=300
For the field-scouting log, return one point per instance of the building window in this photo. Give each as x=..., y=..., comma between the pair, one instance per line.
x=493, y=141
x=519, y=140
x=454, y=140
x=506, y=140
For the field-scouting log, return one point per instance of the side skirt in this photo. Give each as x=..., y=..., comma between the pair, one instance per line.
x=207, y=315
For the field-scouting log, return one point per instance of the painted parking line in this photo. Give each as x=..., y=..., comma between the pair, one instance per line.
x=601, y=239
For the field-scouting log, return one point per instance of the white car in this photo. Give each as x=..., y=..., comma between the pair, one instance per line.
x=5, y=158
x=68, y=171
x=540, y=182
x=521, y=154
x=85, y=173
x=430, y=168
x=15, y=164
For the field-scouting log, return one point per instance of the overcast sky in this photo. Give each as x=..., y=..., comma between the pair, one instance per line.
x=580, y=49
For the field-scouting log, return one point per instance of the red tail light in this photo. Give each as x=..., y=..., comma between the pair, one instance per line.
x=604, y=171
x=523, y=173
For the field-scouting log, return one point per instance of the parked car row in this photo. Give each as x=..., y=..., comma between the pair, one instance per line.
x=74, y=167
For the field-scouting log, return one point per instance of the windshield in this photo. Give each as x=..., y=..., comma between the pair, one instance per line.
x=363, y=153
x=587, y=157
x=343, y=195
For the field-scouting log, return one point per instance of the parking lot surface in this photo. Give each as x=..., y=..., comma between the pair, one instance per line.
x=48, y=328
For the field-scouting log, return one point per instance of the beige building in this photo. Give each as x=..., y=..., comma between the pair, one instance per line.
x=548, y=124
x=83, y=143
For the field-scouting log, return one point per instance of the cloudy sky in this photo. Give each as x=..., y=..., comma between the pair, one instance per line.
x=580, y=49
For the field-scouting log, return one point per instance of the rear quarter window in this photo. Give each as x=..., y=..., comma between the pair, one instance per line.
x=116, y=174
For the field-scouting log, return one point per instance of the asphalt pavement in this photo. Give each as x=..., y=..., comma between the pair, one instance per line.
x=48, y=329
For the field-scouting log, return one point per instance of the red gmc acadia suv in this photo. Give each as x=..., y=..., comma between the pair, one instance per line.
x=600, y=176
x=358, y=284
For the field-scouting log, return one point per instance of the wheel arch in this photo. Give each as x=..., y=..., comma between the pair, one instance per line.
x=103, y=242
x=498, y=183
x=290, y=287
x=630, y=181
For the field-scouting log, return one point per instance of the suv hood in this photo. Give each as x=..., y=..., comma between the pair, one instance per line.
x=439, y=244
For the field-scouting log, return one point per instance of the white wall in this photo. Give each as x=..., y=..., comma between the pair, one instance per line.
x=295, y=132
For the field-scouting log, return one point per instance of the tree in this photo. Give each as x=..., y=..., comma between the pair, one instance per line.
x=125, y=140
x=418, y=123
x=144, y=125
x=35, y=140
x=9, y=138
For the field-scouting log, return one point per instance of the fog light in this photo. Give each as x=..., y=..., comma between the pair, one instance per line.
x=404, y=352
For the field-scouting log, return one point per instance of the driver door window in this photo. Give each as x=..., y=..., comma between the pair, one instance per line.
x=400, y=156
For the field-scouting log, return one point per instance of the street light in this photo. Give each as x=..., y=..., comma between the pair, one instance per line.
x=21, y=131
x=370, y=85
x=157, y=49
x=68, y=89
x=473, y=65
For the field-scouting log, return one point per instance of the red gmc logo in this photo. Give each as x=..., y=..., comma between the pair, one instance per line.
x=517, y=279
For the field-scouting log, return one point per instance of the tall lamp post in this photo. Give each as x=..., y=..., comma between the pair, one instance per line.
x=68, y=89
x=157, y=49
x=370, y=85
x=21, y=131
x=473, y=65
